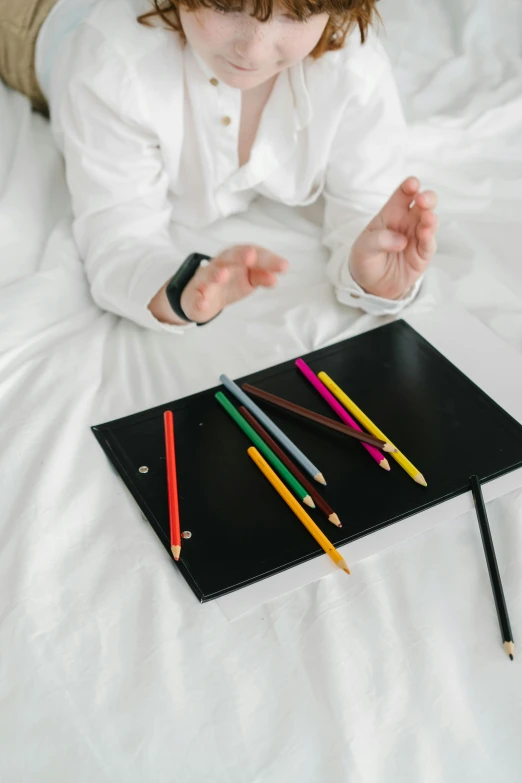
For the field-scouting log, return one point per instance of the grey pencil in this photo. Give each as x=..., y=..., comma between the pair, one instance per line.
x=273, y=429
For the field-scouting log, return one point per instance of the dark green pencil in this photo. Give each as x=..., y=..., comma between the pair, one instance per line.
x=267, y=452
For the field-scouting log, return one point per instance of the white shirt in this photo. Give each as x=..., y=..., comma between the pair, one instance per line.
x=142, y=124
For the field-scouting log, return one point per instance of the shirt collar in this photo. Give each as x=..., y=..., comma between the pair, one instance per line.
x=207, y=71
x=302, y=101
x=302, y=109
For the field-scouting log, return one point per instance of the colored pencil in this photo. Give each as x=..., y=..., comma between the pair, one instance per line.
x=316, y=497
x=398, y=456
x=279, y=402
x=273, y=429
x=264, y=449
x=332, y=402
x=172, y=484
x=491, y=560
x=289, y=499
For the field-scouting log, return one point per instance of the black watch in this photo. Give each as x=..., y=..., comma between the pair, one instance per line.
x=175, y=288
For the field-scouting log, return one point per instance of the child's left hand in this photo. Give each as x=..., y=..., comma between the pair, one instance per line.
x=394, y=250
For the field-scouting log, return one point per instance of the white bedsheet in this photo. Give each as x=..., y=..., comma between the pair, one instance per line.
x=109, y=668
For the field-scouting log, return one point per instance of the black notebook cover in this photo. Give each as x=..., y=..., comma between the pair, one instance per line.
x=242, y=530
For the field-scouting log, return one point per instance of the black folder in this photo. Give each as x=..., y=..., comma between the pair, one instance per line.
x=240, y=528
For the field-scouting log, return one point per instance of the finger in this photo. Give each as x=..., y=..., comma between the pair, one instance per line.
x=428, y=219
x=200, y=306
x=211, y=278
x=254, y=255
x=399, y=202
x=213, y=274
x=424, y=233
x=208, y=299
x=415, y=217
x=274, y=264
x=426, y=243
x=237, y=256
x=251, y=256
x=248, y=255
x=271, y=261
x=410, y=186
x=218, y=273
x=426, y=200
x=406, y=191
x=262, y=277
x=385, y=241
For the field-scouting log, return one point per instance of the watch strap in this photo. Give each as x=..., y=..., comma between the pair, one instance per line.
x=180, y=280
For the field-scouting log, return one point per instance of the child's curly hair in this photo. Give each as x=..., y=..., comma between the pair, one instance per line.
x=344, y=15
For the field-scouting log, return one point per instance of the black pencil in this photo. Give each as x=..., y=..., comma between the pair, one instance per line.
x=491, y=560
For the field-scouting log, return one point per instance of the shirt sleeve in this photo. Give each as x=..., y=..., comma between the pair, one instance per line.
x=119, y=187
x=365, y=167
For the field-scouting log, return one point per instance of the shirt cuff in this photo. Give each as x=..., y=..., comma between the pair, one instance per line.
x=353, y=295
x=129, y=295
x=152, y=280
x=161, y=326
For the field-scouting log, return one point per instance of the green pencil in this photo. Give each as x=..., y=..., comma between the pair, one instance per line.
x=265, y=450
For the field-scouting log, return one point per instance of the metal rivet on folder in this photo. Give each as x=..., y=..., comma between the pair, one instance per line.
x=186, y=534
x=144, y=469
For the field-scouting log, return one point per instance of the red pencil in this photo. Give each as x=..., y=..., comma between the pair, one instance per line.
x=172, y=484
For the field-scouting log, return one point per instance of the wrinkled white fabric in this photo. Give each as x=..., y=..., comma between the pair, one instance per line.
x=110, y=671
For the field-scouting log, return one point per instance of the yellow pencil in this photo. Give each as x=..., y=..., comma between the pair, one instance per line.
x=363, y=419
x=298, y=510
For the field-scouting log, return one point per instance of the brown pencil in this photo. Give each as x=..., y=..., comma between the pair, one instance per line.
x=316, y=497
x=318, y=418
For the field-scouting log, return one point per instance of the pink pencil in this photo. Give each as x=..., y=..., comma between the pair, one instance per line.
x=341, y=412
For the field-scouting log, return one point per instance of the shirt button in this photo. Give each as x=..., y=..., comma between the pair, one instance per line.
x=226, y=120
x=214, y=82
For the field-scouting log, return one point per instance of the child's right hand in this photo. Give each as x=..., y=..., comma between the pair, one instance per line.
x=227, y=278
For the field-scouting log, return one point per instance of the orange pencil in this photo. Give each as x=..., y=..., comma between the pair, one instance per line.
x=172, y=484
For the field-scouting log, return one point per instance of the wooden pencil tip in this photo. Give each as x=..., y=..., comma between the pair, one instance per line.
x=384, y=464
x=320, y=478
x=509, y=647
x=342, y=565
x=335, y=519
x=389, y=448
x=419, y=478
x=176, y=550
x=309, y=502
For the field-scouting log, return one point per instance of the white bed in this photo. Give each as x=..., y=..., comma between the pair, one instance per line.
x=109, y=668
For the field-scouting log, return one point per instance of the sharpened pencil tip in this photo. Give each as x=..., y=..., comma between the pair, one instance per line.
x=510, y=656
x=342, y=565
x=390, y=448
x=320, y=478
x=419, y=478
x=309, y=502
x=335, y=520
x=509, y=647
x=384, y=464
x=176, y=550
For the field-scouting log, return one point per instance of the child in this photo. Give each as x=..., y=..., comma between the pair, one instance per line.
x=185, y=112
